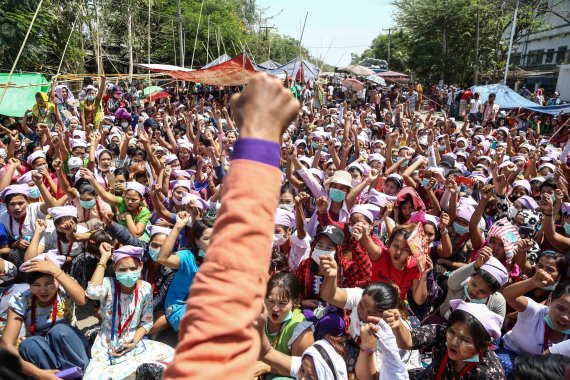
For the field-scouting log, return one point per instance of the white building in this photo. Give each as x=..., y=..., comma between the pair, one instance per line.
x=536, y=58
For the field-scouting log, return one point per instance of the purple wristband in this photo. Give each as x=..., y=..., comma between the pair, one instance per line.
x=263, y=151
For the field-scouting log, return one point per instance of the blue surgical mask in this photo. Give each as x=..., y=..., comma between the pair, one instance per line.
x=350, y=229
x=567, y=228
x=337, y=195
x=339, y=138
x=472, y=359
x=201, y=253
x=90, y=98
x=153, y=252
x=459, y=229
x=315, y=145
x=425, y=182
x=405, y=163
x=550, y=324
x=34, y=192
x=482, y=301
x=442, y=148
x=288, y=317
x=87, y=204
x=128, y=279
x=553, y=197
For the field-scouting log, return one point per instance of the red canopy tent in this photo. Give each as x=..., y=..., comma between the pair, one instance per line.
x=234, y=72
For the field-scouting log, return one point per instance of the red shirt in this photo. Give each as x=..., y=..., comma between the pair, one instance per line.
x=384, y=271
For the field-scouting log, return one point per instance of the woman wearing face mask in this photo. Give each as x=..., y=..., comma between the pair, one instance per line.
x=158, y=276
x=126, y=308
x=340, y=185
x=38, y=161
x=65, y=101
x=395, y=263
x=461, y=348
x=123, y=118
x=132, y=212
x=366, y=305
x=47, y=312
x=186, y=266
x=286, y=328
x=477, y=282
x=359, y=242
x=538, y=326
x=174, y=202
x=90, y=107
x=90, y=206
x=327, y=319
x=43, y=111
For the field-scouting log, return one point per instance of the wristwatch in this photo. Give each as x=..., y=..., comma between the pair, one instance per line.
x=444, y=231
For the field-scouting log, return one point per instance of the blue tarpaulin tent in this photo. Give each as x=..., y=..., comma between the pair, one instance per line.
x=507, y=98
x=309, y=71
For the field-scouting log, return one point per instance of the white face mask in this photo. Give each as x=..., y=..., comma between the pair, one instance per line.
x=278, y=239
x=317, y=253
x=287, y=207
x=124, y=124
x=355, y=182
x=513, y=211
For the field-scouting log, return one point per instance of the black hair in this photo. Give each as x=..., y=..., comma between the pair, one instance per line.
x=561, y=289
x=437, y=236
x=287, y=188
x=140, y=152
x=396, y=182
x=539, y=367
x=95, y=241
x=31, y=277
x=113, y=148
x=31, y=147
x=9, y=197
x=560, y=262
x=122, y=171
x=131, y=151
x=196, y=233
x=481, y=338
x=87, y=81
x=548, y=183
x=489, y=279
x=65, y=218
x=204, y=141
x=85, y=188
x=288, y=285
x=386, y=296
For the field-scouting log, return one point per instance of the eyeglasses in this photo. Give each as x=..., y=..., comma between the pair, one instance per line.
x=464, y=342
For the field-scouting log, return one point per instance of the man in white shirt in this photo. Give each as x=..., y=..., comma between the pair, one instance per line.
x=474, y=106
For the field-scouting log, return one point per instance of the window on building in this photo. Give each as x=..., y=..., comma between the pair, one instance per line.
x=516, y=59
x=534, y=57
x=549, y=56
x=562, y=55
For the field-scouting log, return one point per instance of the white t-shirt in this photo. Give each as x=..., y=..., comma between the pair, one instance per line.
x=527, y=337
x=411, y=358
x=475, y=104
x=32, y=214
x=562, y=348
x=49, y=241
x=331, y=90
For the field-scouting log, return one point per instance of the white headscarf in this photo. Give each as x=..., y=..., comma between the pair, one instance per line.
x=322, y=369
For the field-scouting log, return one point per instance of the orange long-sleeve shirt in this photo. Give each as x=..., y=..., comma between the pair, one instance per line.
x=217, y=340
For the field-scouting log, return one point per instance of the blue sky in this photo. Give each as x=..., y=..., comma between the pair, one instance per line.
x=350, y=25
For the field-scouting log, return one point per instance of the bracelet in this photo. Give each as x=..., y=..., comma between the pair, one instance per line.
x=444, y=231
x=368, y=351
x=59, y=274
x=103, y=265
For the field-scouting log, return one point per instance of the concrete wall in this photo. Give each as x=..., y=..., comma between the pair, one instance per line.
x=563, y=84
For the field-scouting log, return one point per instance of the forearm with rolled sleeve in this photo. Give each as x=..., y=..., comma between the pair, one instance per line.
x=216, y=338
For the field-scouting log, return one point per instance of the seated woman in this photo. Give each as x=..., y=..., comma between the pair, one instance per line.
x=396, y=264
x=286, y=327
x=477, y=282
x=459, y=349
x=538, y=326
x=126, y=308
x=328, y=319
x=158, y=276
x=365, y=305
x=133, y=213
x=47, y=310
x=185, y=266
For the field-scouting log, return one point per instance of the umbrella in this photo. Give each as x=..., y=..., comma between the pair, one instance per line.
x=353, y=84
x=150, y=89
x=157, y=95
x=357, y=70
x=376, y=79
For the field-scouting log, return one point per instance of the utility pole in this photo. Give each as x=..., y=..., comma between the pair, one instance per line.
x=266, y=30
x=476, y=69
x=180, y=35
x=389, y=42
x=513, y=30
